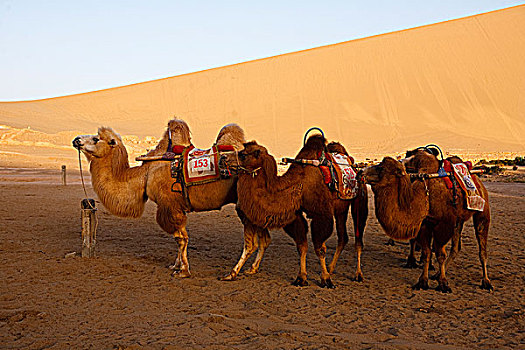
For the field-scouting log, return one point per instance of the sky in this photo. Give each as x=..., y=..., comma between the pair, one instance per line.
x=51, y=48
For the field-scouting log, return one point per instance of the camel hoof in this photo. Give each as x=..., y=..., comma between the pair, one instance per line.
x=358, y=278
x=300, y=282
x=420, y=285
x=327, y=283
x=485, y=284
x=411, y=263
x=174, y=267
x=181, y=274
x=229, y=277
x=252, y=271
x=444, y=288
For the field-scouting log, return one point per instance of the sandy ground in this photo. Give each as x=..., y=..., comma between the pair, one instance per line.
x=126, y=298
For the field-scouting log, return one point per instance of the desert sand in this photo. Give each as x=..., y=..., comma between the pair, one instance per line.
x=126, y=298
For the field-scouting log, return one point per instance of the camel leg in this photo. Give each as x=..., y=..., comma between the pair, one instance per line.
x=455, y=247
x=178, y=262
x=430, y=265
x=342, y=238
x=322, y=228
x=298, y=230
x=411, y=259
x=326, y=281
x=250, y=245
x=423, y=238
x=441, y=255
x=481, y=227
x=264, y=242
x=359, y=217
x=173, y=220
x=182, y=257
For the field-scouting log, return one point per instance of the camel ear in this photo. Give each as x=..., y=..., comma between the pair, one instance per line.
x=112, y=143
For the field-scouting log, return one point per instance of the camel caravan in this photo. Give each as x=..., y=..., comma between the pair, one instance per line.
x=421, y=198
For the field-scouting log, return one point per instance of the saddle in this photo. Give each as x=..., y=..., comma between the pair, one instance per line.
x=339, y=174
x=194, y=166
x=461, y=175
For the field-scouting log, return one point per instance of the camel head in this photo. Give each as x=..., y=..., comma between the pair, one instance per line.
x=392, y=174
x=252, y=156
x=100, y=145
x=384, y=173
x=255, y=158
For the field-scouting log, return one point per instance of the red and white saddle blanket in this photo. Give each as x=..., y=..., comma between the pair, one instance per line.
x=200, y=165
x=346, y=175
x=467, y=184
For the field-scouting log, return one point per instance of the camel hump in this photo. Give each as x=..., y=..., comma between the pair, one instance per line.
x=233, y=135
x=336, y=147
x=315, y=142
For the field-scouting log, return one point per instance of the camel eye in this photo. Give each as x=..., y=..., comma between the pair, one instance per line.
x=95, y=139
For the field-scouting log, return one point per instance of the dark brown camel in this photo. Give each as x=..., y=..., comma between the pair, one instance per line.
x=424, y=210
x=268, y=201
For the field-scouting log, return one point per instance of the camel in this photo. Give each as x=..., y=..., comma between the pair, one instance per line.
x=124, y=190
x=268, y=201
x=425, y=210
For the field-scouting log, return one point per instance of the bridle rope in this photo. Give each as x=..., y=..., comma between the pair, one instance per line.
x=82, y=178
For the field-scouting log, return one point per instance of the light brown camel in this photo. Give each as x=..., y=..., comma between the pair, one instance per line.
x=124, y=190
x=268, y=201
x=425, y=210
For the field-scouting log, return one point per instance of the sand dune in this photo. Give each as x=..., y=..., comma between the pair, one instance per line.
x=459, y=84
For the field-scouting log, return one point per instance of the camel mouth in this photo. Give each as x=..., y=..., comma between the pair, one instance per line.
x=369, y=175
x=242, y=156
x=77, y=143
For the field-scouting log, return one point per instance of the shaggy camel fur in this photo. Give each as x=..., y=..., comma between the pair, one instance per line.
x=428, y=207
x=124, y=190
x=268, y=201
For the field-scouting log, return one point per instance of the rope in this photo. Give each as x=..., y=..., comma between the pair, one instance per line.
x=85, y=193
x=253, y=172
x=83, y=184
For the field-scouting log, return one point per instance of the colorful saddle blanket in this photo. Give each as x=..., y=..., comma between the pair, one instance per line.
x=345, y=175
x=200, y=165
x=467, y=184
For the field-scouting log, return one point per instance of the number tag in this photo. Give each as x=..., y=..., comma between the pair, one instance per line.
x=200, y=164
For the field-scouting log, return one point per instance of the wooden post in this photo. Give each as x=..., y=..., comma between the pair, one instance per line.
x=63, y=175
x=89, y=228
